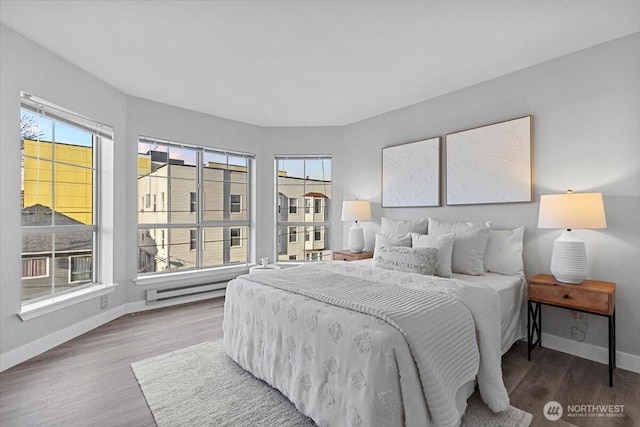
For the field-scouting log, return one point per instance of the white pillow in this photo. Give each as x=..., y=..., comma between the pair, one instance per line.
x=409, y=260
x=504, y=252
x=392, y=240
x=469, y=245
x=402, y=226
x=443, y=243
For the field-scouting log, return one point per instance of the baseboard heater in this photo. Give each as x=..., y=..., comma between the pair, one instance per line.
x=186, y=293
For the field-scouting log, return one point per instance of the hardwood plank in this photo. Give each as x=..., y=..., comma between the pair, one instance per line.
x=88, y=381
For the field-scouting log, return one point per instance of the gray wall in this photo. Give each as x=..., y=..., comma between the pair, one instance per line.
x=586, y=127
x=585, y=108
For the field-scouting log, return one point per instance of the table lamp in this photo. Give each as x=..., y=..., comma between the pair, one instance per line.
x=570, y=211
x=356, y=210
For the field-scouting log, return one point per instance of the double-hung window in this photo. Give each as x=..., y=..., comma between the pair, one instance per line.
x=306, y=179
x=203, y=219
x=59, y=204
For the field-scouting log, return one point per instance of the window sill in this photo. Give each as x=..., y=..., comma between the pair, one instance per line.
x=40, y=308
x=185, y=278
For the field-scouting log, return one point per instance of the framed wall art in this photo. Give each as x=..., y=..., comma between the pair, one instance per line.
x=411, y=174
x=490, y=164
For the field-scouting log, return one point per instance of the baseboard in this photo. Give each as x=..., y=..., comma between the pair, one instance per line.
x=39, y=346
x=625, y=361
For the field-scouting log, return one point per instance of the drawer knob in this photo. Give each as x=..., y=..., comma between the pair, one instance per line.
x=565, y=296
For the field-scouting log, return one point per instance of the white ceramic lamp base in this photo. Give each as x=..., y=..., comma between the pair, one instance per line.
x=356, y=238
x=569, y=259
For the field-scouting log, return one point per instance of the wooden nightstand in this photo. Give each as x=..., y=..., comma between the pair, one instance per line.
x=590, y=296
x=347, y=255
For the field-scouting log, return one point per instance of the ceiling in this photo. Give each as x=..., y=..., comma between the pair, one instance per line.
x=311, y=63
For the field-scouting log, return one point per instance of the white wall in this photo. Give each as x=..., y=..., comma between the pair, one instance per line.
x=586, y=121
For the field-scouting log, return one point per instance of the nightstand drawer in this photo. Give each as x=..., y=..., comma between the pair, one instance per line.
x=598, y=302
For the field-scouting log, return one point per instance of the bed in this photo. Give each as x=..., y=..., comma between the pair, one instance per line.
x=325, y=335
x=400, y=341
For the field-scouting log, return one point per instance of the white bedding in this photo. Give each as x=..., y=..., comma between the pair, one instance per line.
x=511, y=290
x=341, y=366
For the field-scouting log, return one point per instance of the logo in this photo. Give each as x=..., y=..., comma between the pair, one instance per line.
x=552, y=411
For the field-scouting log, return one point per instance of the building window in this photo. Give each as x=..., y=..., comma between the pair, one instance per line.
x=235, y=203
x=79, y=268
x=308, y=178
x=293, y=257
x=35, y=268
x=293, y=205
x=155, y=202
x=193, y=240
x=213, y=184
x=236, y=237
x=147, y=202
x=193, y=202
x=60, y=232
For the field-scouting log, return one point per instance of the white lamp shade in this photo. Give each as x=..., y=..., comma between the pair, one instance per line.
x=572, y=210
x=356, y=210
x=569, y=211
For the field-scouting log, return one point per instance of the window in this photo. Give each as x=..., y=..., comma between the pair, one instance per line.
x=293, y=257
x=193, y=240
x=293, y=206
x=60, y=186
x=235, y=204
x=308, y=178
x=155, y=202
x=236, y=237
x=147, y=203
x=193, y=202
x=79, y=268
x=199, y=188
x=35, y=268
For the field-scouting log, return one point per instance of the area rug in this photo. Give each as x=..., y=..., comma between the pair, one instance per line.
x=202, y=386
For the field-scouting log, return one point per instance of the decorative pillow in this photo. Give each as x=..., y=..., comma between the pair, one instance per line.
x=469, y=245
x=409, y=260
x=392, y=240
x=443, y=243
x=402, y=226
x=504, y=252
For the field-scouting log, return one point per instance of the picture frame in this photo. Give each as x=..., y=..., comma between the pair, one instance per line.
x=411, y=174
x=490, y=164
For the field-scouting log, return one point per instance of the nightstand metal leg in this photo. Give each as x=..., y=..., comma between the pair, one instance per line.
x=612, y=347
x=534, y=324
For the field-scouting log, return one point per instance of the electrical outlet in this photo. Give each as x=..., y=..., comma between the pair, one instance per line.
x=104, y=302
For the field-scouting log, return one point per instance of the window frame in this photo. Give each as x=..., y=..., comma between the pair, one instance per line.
x=306, y=188
x=199, y=221
x=101, y=135
x=232, y=204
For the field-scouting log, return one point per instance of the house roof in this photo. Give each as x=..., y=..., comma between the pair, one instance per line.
x=40, y=215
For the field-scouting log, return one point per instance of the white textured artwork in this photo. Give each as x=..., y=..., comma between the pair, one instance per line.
x=490, y=164
x=411, y=174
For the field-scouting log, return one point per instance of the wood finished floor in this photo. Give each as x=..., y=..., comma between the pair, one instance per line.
x=89, y=382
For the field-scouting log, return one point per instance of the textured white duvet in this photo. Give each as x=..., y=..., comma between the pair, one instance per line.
x=353, y=345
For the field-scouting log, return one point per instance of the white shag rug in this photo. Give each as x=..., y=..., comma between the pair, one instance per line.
x=202, y=386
